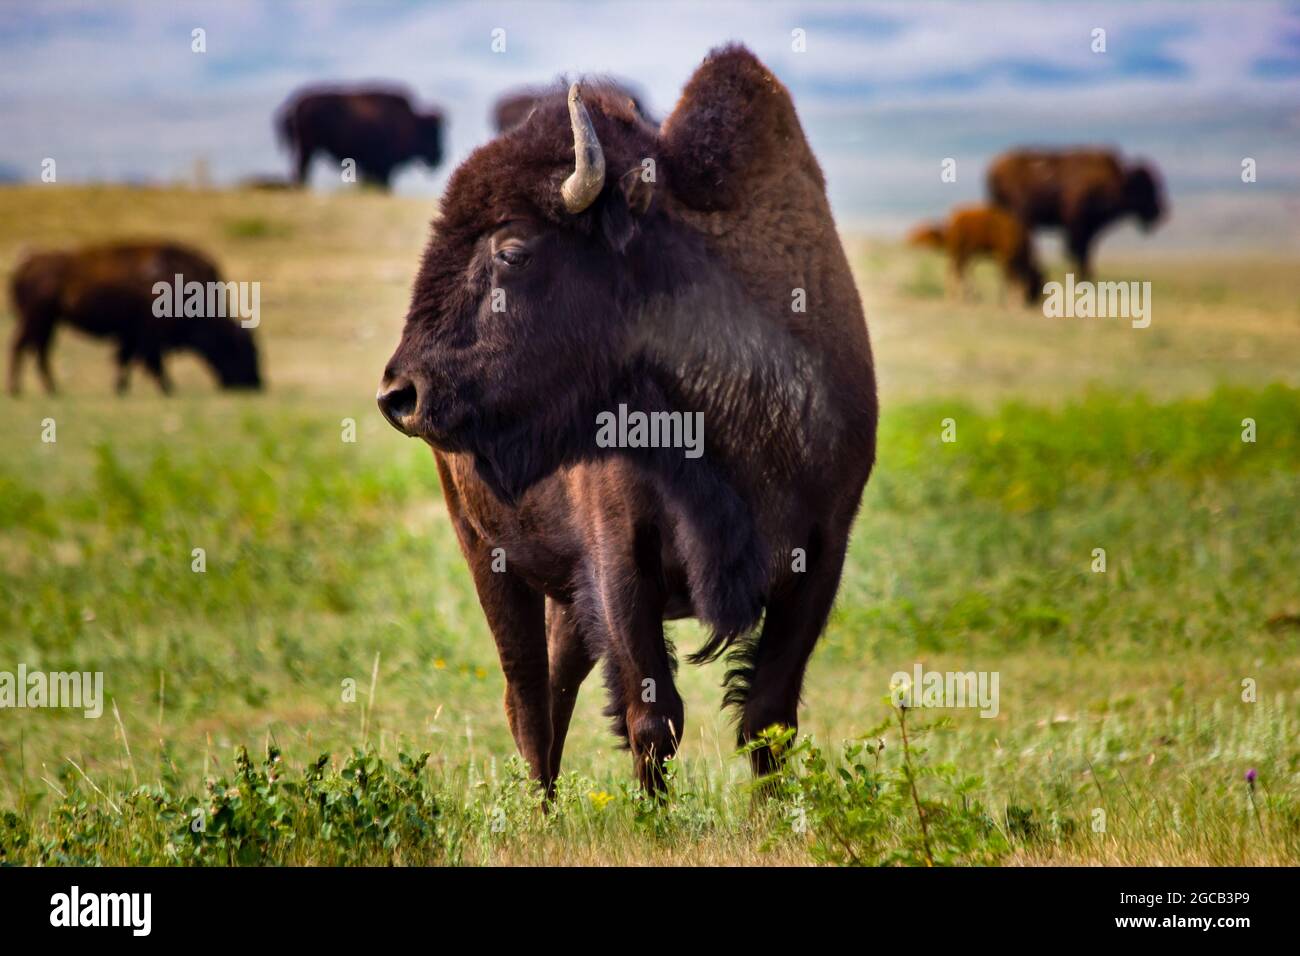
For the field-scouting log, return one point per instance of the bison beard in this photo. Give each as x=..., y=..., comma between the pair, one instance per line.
x=667, y=296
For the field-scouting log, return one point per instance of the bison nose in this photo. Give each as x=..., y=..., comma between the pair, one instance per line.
x=398, y=398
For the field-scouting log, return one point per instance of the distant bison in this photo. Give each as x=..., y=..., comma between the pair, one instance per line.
x=974, y=231
x=1080, y=190
x=513, y=108
x=378, y=129
x=108, y=292
x=648, y=398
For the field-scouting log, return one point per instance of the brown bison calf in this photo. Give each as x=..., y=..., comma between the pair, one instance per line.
x=703, y=300
x=1081, y=191
x=108, y=292
x=973, y=231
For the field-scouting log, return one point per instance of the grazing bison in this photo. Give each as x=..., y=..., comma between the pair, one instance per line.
x=377, y=128
x=513, y=107
x=973, y=231
x=575, y=322
x=1082, y=191
x=108, y=292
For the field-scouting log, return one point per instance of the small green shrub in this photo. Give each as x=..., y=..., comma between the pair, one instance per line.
x=866, y=810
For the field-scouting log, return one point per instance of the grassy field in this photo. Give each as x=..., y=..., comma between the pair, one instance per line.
x=1122, y=734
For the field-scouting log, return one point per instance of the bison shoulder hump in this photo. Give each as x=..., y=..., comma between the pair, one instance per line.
x=735, y=122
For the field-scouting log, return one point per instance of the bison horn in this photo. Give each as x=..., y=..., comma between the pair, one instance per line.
x=588, y=177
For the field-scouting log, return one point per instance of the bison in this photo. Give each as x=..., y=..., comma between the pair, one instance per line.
x=378, y=129
x=513, y=107
x=1081, y=191
x=973, y=231
x=586, y=267
x=108, y=292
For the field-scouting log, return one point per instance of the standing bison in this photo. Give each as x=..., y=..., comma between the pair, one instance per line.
x=109, y=292
x=377, y=128
x=513, y=107
x=587, y=267
x=1082, y=191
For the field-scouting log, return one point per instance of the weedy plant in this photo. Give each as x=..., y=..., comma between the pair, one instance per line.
x=873, y=806
x=364, y=811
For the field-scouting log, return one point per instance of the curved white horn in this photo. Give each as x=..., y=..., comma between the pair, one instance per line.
x=588, y=177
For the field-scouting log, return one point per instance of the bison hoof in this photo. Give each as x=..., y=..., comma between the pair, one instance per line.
x=653, y=739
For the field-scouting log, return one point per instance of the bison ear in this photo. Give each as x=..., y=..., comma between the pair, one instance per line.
x=626, y=204
x=637, y=189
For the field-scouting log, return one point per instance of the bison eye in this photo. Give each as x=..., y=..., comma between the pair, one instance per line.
x=512, y=257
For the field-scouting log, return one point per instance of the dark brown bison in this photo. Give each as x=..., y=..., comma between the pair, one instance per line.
x=513, y=107
x=1082, y=191
x=378, y=129
x=571, y=287
x=976, y=231
x=109, y=292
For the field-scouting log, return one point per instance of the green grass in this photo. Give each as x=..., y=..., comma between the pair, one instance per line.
x=974, y=555
x=331, y=565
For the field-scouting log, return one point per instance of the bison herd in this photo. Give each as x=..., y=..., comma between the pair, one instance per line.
x=1080, y=191
x=588, y=259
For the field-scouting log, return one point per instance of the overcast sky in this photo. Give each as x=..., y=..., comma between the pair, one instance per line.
x=885, y=91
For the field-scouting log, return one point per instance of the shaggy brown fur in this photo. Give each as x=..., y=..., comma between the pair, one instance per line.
x=720, y=288
x=378, y=129
x=107, y=292
x=975, y=231
x=513, y=107
x=1082, y=191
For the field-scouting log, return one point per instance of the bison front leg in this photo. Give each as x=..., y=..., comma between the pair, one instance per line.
x=516, y=617
x=644, y=703
x=570, y=663
x=34, y=333
x=769, y=684
x=303, y=153
x=153, y=361
x=1079, y=242
x=43, y=365
x=125, y=355
x=956, y=285
x=16, y=349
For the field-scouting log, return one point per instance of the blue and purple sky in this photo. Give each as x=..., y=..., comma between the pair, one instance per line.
x=885, y=91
